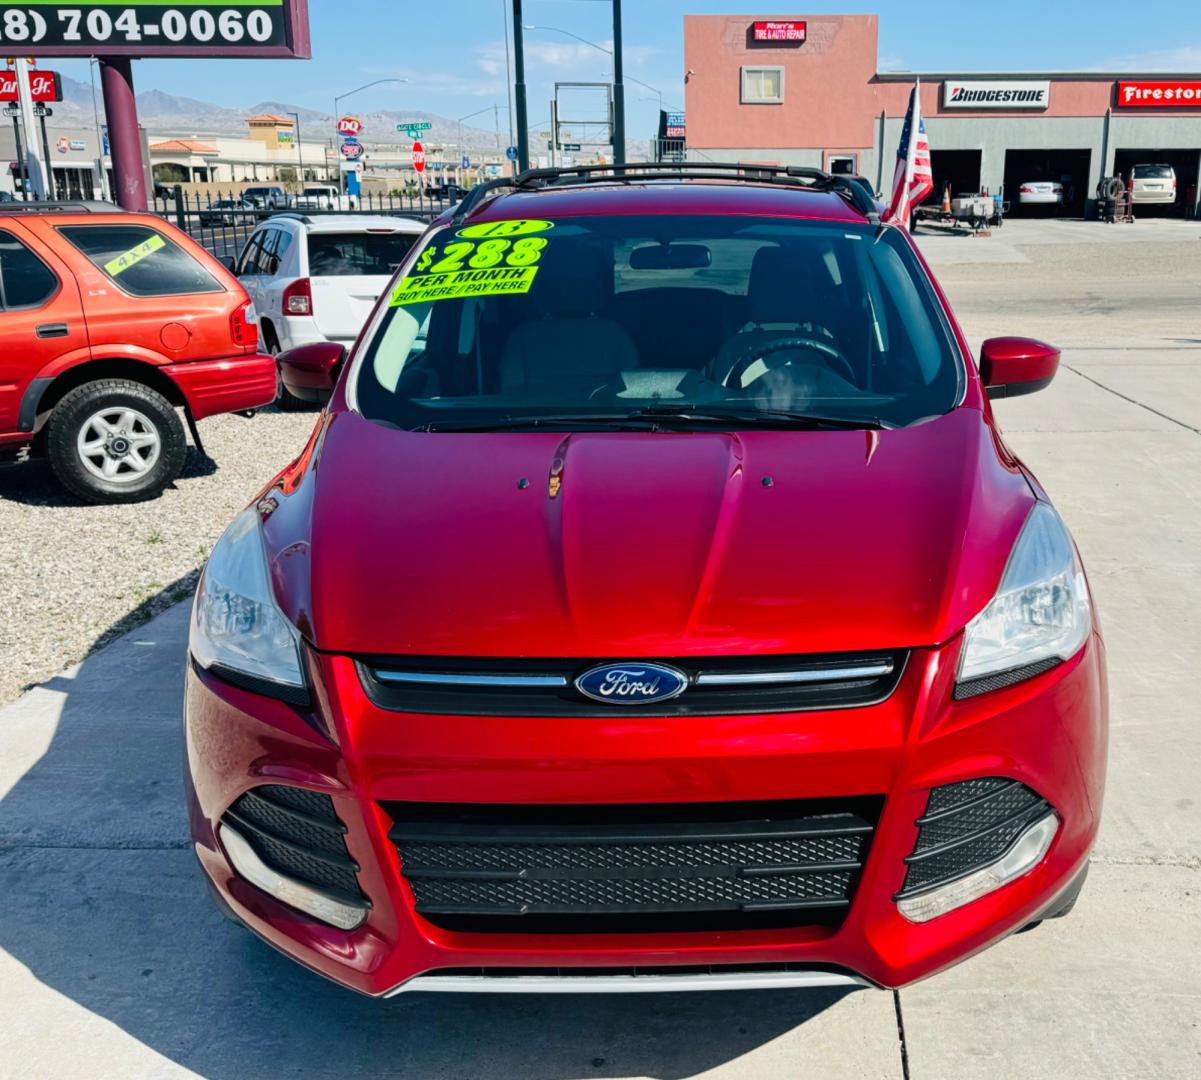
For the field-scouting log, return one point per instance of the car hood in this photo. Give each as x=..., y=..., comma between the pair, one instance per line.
x=611, y=544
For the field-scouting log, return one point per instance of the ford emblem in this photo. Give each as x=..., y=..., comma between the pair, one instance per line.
x=632, y=684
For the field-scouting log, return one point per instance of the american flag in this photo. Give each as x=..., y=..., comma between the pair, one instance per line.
x=913, y=180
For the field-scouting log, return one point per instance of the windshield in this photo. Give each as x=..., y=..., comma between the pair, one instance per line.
x=1153, y=172
x=348, y=254
x=594, y=321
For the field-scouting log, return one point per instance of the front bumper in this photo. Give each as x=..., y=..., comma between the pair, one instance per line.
x=1049, y=733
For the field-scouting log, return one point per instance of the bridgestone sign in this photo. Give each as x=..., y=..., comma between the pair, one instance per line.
x=1023, y=94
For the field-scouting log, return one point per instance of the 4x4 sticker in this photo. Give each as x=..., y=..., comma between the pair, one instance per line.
x=134, y=255
x=489, y=266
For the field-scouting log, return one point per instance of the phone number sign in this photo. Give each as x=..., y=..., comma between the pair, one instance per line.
x=180, y=28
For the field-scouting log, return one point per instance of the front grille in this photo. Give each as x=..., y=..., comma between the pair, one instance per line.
x=297, y=833
x=717, y=685
x=967, y=826
x=580, y=869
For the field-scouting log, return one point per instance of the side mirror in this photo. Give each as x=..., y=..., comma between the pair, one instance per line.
x=230, y=264
x=1011, y=366
x=309, y=372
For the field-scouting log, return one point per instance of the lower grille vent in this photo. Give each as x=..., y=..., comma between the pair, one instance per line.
x=297, y=833
x=624, y=868
x=967, y=826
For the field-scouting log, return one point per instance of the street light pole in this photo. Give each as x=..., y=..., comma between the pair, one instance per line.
x=523, y=131
x=619, y=79
x=619, y=91
x=299, y=148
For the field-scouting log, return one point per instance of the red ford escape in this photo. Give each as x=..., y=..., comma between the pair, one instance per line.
x=109, y=322
x=656, y=605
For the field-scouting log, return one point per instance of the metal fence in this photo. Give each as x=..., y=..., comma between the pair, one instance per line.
x=223, y=223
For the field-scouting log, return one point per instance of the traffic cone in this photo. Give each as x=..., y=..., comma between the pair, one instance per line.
x=946, y=199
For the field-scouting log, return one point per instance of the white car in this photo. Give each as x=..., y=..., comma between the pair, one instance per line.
x=1041, y=193
x=1153, y=184
x=316, y=277
x=322, y=197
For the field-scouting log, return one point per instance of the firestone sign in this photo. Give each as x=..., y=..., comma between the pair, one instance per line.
x=178, y=28
x=778, y=31
x=1160, y=94
x=997, y=94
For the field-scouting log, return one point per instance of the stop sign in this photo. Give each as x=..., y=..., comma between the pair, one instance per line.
x=419, y=157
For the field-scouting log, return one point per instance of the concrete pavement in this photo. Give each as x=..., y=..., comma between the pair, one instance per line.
x=113, y=962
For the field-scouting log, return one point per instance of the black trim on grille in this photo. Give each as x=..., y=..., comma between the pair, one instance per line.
x=999, y=680
x=589, y=869
x=967, y=826
x=566, y=700
x=297, y=833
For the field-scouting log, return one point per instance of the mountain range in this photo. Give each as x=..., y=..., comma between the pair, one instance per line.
x=169, y=115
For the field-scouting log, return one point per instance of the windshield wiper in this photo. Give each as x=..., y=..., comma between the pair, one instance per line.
x=772, y=418
x=628, y=421
x=659, y=417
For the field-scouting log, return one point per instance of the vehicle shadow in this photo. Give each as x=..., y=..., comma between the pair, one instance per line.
x=104, y=905
x=32, y=482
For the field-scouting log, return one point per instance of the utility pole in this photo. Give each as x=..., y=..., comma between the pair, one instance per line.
x=523, y=131
x=36, y=167
x=299, y=148
x=619, y=91
x=14, y=110
x=41, y=112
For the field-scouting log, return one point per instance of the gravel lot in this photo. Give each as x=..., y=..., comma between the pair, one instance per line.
x=76, y=576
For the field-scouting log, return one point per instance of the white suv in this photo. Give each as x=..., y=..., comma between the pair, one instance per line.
x=316, y=277
x=1153, y=184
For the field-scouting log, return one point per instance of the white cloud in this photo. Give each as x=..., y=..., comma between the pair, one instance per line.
x=1181, y=58
x=565, y=55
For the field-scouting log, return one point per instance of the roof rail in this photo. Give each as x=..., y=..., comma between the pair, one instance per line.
x=854, y=189
x=476, y=196
x=57, y=206
x=293, y=215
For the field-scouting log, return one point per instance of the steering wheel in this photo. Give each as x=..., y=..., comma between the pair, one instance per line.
x=761, y=352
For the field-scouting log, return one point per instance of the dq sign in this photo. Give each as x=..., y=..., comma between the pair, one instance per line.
x=350, y=126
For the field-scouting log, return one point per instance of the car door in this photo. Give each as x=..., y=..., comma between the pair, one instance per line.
x=247, y=269
x=268, y=283
x=41, y=320
x=148, y=291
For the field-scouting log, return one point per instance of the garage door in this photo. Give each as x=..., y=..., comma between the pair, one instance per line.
x=959, y=168
x=1185, y=163
x=1067, y=167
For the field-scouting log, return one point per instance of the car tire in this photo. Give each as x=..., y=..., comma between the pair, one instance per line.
x=115, y=441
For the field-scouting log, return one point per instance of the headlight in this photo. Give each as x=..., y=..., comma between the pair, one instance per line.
x=237, y=629
x=1039, y=616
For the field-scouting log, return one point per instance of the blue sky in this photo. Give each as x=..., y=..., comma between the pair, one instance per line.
x=452, y=51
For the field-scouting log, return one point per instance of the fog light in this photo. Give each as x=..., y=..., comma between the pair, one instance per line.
x=285, y=889
x=1025, y=854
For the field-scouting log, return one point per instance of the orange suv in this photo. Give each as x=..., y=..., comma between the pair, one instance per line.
x=110, y=322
